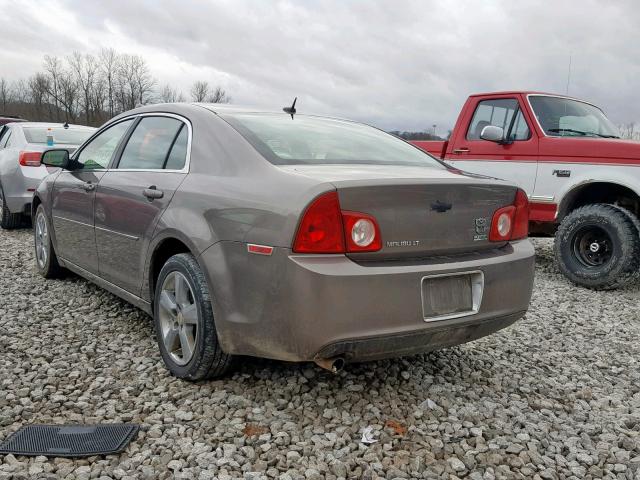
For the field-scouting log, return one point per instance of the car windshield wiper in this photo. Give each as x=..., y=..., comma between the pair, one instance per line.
x=580, y=132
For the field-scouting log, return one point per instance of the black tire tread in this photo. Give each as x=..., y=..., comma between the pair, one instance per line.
x=9, y=220
x=630, y=241
x=213, y=362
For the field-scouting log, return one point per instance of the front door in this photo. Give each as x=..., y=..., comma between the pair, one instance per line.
x=516, y=160
x=133, y=195
x=73, y=198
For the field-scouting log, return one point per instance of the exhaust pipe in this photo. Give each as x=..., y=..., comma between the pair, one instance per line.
x=334, y=365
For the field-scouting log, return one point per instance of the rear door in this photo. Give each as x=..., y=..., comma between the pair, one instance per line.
x=515, y=161
x=73, y=197
x=133, y=194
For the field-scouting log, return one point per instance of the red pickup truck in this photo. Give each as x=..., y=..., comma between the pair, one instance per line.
x=582, y=180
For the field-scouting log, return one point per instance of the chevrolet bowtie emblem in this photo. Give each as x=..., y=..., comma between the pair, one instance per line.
x=440, y=207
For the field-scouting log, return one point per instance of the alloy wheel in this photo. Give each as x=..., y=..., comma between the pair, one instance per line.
x=42, y=241
x=179, y=318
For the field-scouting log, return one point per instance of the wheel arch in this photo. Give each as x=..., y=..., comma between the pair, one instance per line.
x=162, y=250
x=599, y=191
x=35, y=203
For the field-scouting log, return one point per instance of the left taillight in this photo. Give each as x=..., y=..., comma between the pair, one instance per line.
x=29, y=159
x=326, y=228
x=511, y=222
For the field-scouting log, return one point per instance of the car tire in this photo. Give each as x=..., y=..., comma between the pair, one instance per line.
x=8, y=220
x=598, y=246
x=46, y=258
x=184, y=322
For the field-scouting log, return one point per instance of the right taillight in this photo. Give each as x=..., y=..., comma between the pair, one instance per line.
x=521, y=220
x=326, y=228
x=29, y=159
x=511, y=222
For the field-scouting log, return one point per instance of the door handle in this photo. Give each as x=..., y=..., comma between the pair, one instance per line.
x=152, y=193
x=460, y=150
x=88, y=186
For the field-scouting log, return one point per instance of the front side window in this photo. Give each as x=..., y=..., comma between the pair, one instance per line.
x=316, y=141
x=150, y=144
x=98, y=152
x=564, y=117
x=499, y=113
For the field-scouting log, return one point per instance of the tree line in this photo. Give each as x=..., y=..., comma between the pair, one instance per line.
x=90, y=89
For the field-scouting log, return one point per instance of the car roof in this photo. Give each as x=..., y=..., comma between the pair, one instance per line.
x=230, y=108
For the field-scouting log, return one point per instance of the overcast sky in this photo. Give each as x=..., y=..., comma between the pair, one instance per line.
x=398, y=65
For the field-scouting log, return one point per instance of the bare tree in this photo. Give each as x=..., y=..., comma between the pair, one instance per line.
x=168, y=94
x=109, y=64
x=219, y=95
x=5, y=94
x=134, y=82
x=38, y=90
x=86, y=71
x=200, y=91
x=89, y=89
x=21, y=93
x=628, y=131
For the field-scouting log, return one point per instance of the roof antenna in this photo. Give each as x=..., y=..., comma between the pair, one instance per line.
x=292, y=109
x=66, y=125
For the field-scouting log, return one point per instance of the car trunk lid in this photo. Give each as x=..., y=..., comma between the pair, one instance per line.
x=420, y=211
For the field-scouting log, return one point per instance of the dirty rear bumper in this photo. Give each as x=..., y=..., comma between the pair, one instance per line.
x=303, y=307
x=435, y=338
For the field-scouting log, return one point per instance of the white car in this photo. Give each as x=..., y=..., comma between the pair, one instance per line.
x=21, y=146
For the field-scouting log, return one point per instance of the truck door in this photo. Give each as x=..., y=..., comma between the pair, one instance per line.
x=515, y=159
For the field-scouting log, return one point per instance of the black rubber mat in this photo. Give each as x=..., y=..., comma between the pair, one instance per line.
x=69, y=440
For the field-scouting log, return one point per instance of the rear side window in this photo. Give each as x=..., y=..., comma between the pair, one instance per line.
x=61, y=136
x=499, y=113
x=150, y=144
x=178, y=154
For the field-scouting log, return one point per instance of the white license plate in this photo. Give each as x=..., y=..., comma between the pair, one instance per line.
x=451, y=295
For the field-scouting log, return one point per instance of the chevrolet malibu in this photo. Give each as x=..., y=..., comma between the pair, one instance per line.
x=292, y=237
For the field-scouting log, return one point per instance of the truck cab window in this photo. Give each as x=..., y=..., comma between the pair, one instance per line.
x=499, y=112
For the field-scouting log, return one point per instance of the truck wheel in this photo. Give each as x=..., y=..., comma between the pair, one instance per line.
x=185, y=327
x=598, y=246
x=8, y=220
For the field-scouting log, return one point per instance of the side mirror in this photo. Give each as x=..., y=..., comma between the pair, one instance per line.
x=56, y=158
x=492, y=134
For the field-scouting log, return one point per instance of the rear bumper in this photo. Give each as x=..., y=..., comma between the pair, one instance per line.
x=302, y=307
x=410, y=343
x=20, y=186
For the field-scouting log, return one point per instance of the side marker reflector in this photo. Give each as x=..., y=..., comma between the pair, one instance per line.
x=259, y=249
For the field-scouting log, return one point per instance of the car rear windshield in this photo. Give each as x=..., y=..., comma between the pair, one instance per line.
x=317, y=140
x=66, y=136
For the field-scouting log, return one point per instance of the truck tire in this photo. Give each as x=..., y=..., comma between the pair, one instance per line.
x=184, y=322
x=8, y=220
x=598, y=246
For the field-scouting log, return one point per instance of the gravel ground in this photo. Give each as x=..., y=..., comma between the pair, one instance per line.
x=555, y=396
